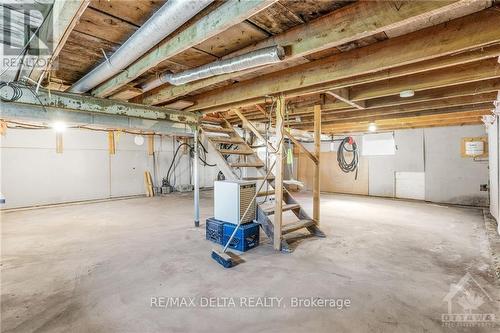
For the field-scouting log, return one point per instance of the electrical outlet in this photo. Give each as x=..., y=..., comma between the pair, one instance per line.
x=483, y=187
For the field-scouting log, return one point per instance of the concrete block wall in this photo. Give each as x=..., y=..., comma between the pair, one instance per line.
x=435, y=152
x=494, y=162
x=32, y=173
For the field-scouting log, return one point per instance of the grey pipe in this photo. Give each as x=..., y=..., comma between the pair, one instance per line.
x=248, y=60
x=166, y=20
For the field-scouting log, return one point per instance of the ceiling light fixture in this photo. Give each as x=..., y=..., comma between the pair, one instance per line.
x=372, y=127
x=59, y=126
x=407, y=93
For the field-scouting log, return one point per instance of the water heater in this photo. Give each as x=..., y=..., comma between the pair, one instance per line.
x=231, y=199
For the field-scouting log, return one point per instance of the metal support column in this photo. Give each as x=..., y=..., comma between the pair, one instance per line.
x=196, y=180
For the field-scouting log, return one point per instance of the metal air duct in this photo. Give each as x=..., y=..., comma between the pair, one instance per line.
x=265, y=56
x=166, y=20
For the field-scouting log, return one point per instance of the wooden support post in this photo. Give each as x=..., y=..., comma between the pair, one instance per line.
x=111, y=143
x=278, y=186
x=317, y=150
x=3, y=128
x=59, y=142
x=151, y=144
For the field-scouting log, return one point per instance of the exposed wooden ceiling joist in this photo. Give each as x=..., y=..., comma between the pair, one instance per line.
x=357, y=21
x=470, y=32
x=222, y=18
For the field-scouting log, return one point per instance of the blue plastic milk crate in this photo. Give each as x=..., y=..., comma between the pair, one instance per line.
x=214, y=230
x=246, y=238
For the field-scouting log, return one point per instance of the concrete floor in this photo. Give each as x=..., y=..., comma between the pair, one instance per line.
x=94, y=268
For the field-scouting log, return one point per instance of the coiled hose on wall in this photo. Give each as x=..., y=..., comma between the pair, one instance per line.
x=345, y=166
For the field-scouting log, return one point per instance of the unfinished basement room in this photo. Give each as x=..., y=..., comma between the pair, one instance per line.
x=191, y=166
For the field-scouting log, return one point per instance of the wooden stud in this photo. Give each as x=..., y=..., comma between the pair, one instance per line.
x=278, y=185
x=111, y=143
x=3, y=128
x=59, y=143
x=317, y=152
x=151, y=144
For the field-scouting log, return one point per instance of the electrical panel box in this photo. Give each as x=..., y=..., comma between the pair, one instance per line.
x=475, y=147
x=231, y=199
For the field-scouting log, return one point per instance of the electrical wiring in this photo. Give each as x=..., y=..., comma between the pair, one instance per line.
x=203, y=152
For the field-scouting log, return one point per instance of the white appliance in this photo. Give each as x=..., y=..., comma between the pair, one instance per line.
x=231, y=199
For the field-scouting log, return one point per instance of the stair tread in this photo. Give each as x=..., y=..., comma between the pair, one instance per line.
x=270, y=210
x=212, y=120
x=258, y=178
x=220, y=139
x=246, y=165
x=236, y=152
x=265, y=193
x=217, y=129
x=294, y=226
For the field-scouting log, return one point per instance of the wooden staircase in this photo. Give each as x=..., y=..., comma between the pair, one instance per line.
x=226, y=142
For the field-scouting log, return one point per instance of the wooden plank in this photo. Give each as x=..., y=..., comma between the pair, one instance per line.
x=103, y=26
x=111, y=143
x=278, y=183
x=151, y=145
x=59, y=143
x=413, y=108
x=254, y=130
x=301, y=147
x=473, y=72
x=462, y=34
x=135, y=12
x=448, y=61
x=317, y=152
x=208, y=26
x=468, y=89
x=343, y=94
x=362, y=19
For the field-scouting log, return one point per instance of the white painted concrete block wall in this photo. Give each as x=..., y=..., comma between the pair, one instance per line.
x=494, y=153
x=449, y=178
x=32, y=173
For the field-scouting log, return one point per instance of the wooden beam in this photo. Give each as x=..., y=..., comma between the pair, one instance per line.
x=343, y=94
x=402, y=124
x=463, y=34
x=317, y=152
x=473, y=72
x=362, y=19
x=227, y=15
x=447, y=103
x=448, y=61
x=278, y=182
x=299, y=144
x=254, y=130
x=76, y=102
x=468, y=89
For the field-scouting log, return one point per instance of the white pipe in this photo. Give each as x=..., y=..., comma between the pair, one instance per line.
x=265, y=56
x=166, y=20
